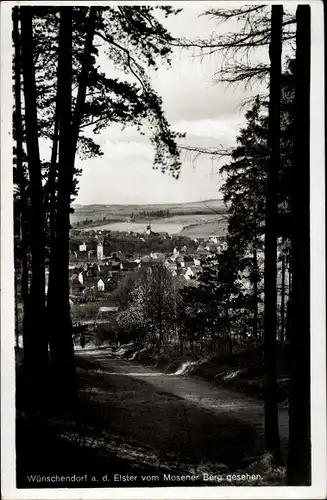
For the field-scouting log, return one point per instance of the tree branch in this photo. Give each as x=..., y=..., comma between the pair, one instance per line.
x=126, y=51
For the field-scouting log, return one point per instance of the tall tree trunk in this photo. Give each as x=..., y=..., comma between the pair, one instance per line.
x=255, y=292
x=61, y=341
x=270, y=318
x=160, y=326
x=24, y=256
x=62, y=350
x=18, y=134
x=50, y=189
x=288, y=322
x=299, y=454
x=288, y=315
x=83, y=80
x=35, y=338
x=16, y=311
x=51, y=213
x=229, y=337
x=290, y=276
x=50, y=209
x=282, y=305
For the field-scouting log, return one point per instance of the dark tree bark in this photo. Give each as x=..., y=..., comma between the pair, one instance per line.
x=21, y=180
x=50, y=203
x=35, y=338
x=282, y=305
x=255, y=293
x=299, y=454
x=50, y=187
x=50, y=209
x=270, y=276
x=60, y=326
x=61, y=346
x=229, y=337
x=181, y=341
x=288, y=322
x=16, y=312
x=288, y=303
x=290, y=276
x=83, y=80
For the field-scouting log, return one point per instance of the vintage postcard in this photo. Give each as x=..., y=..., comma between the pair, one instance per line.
x=162, y=250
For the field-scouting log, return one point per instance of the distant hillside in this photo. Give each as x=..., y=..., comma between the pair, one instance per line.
x=199, y=203
x=96, y=212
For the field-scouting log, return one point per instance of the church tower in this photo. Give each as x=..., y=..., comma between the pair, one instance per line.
x=100, y=251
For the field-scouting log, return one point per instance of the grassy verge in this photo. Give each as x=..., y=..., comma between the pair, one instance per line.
x=242, y=371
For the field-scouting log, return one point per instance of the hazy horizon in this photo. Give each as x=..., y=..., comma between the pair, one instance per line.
x=189, y=202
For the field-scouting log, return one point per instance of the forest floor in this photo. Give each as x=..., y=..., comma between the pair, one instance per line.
x=141, y=421
x=241, y=371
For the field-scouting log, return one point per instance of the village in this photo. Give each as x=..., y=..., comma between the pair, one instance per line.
x=95, y=270
x=101, y=261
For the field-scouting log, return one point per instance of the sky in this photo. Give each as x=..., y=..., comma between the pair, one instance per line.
x=209, y=113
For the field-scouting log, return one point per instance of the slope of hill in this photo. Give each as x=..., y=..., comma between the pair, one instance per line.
x=119, y=212
x=198, y=219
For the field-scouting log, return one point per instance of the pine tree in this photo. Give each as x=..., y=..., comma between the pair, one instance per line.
x=135, y=41
x=60, y=327
x=35, y=338
x=299, y=453
x=243, y=191
x=20, y=175
x=270, y=277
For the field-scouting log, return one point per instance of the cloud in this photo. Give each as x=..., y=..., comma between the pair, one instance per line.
x=116, y=150
x=216, y=129
x=208, y=113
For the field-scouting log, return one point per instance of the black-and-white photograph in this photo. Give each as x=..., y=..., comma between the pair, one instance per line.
x=165, y=181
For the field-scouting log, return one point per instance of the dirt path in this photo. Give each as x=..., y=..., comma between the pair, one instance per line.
x=171, y=420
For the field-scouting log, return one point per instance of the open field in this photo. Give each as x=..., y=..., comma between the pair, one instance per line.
x=186, y=220
x=193, y=227
x=158, y=227
x=218, y=228
x=95, y=216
